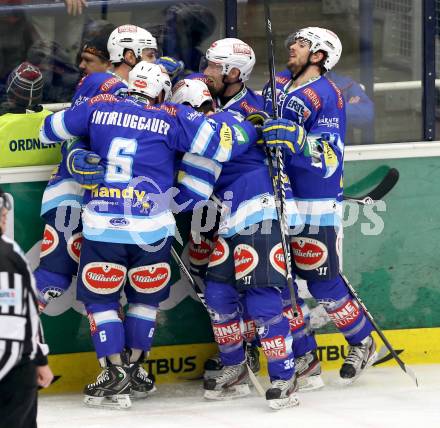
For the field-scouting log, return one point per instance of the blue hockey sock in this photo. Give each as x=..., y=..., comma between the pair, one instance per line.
x=139, y=326
x=107, y=331
x=222, y=301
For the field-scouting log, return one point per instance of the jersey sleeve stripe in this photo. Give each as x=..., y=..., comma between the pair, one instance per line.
x=200, y=187
x=207, y=165
x=59, y=127
x=202, y=139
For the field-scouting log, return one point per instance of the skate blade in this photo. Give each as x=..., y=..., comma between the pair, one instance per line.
x=116, y=402
x=310, y=383
x=284, y=403
x=139, y=395
x=236, y=391
x=348, y=381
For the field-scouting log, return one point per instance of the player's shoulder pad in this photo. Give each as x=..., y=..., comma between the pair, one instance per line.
x=283, y=77
x=337, y=92
x=224, y=116
x=252, y=103
x=103, y=98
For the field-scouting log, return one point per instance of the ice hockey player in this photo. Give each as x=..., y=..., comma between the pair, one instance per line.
x=127, y=221
x=246, y=266
x=305, y=96
x=126, y=46
x=227, y=66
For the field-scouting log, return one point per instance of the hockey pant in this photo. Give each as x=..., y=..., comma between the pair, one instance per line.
x=104, y=269
x=265, y=307
x=59, y=253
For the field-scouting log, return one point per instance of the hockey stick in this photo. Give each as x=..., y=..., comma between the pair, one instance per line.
x=384, y=187
x=280, y=202
x=402, y=365
x=201, y=297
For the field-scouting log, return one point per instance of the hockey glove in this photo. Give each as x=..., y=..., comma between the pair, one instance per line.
x=258, y=118
x=285, y=134
x=83, y=166
x=172, y=66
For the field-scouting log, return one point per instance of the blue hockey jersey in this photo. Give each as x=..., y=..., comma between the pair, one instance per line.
x=137, y=143
x=243, y=184
x=62, y=188
x=316, y=176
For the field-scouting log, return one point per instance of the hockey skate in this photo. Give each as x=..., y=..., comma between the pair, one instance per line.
x=111, y=389
x=231, y=382
x=141, y=384
x=308, y=371
x=359, y=358
x=213, y=367
x=282, y=394
x=252, y=357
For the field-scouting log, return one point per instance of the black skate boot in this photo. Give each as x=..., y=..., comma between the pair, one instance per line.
x=252, y=357
x=213, y=367
x=308, y=372
x=359, y=358
x=111, y=389
x=231, y=382
x=282, y=394
x=142, y=384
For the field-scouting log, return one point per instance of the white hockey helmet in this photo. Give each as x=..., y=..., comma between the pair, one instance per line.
x=320, y=39
x=129, y=37
x=193, y=92
x=232, y=53
x=148, y=79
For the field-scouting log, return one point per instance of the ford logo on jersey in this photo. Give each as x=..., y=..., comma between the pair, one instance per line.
x=119, y=221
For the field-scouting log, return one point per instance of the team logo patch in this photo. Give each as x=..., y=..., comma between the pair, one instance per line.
x=103, y=278
x=199, y=253
x=74, y=246
x=92, y=322
x=295, y=323
x=241, y=49
x=226, y=136
x=50, y=241
x=276, y=258
x=127, y=29
x=109, y=83
x=107, y=98
x=313, y=97
x=247, y=107
x=220, y=253
x=249, y=330
x=119, y=222
x=346, y=315
x=308, y=253
x=281, y=79
x=141, y=84
x=274, y=348
x=245, y=260
x=228, y=333
x=150, y=279
x=171, y=110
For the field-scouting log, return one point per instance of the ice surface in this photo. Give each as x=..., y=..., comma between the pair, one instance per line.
x=382, y=398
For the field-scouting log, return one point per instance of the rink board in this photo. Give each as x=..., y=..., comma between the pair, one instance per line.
x=178, y=363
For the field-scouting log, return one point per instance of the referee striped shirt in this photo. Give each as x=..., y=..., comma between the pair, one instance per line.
x=21, y=336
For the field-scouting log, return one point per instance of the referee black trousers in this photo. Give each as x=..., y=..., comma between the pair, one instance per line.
x=18, y=397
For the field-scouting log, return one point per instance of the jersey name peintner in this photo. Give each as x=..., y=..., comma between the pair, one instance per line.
x=130, y=121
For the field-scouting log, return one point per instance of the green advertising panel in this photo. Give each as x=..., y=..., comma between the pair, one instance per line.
x=390, y=256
